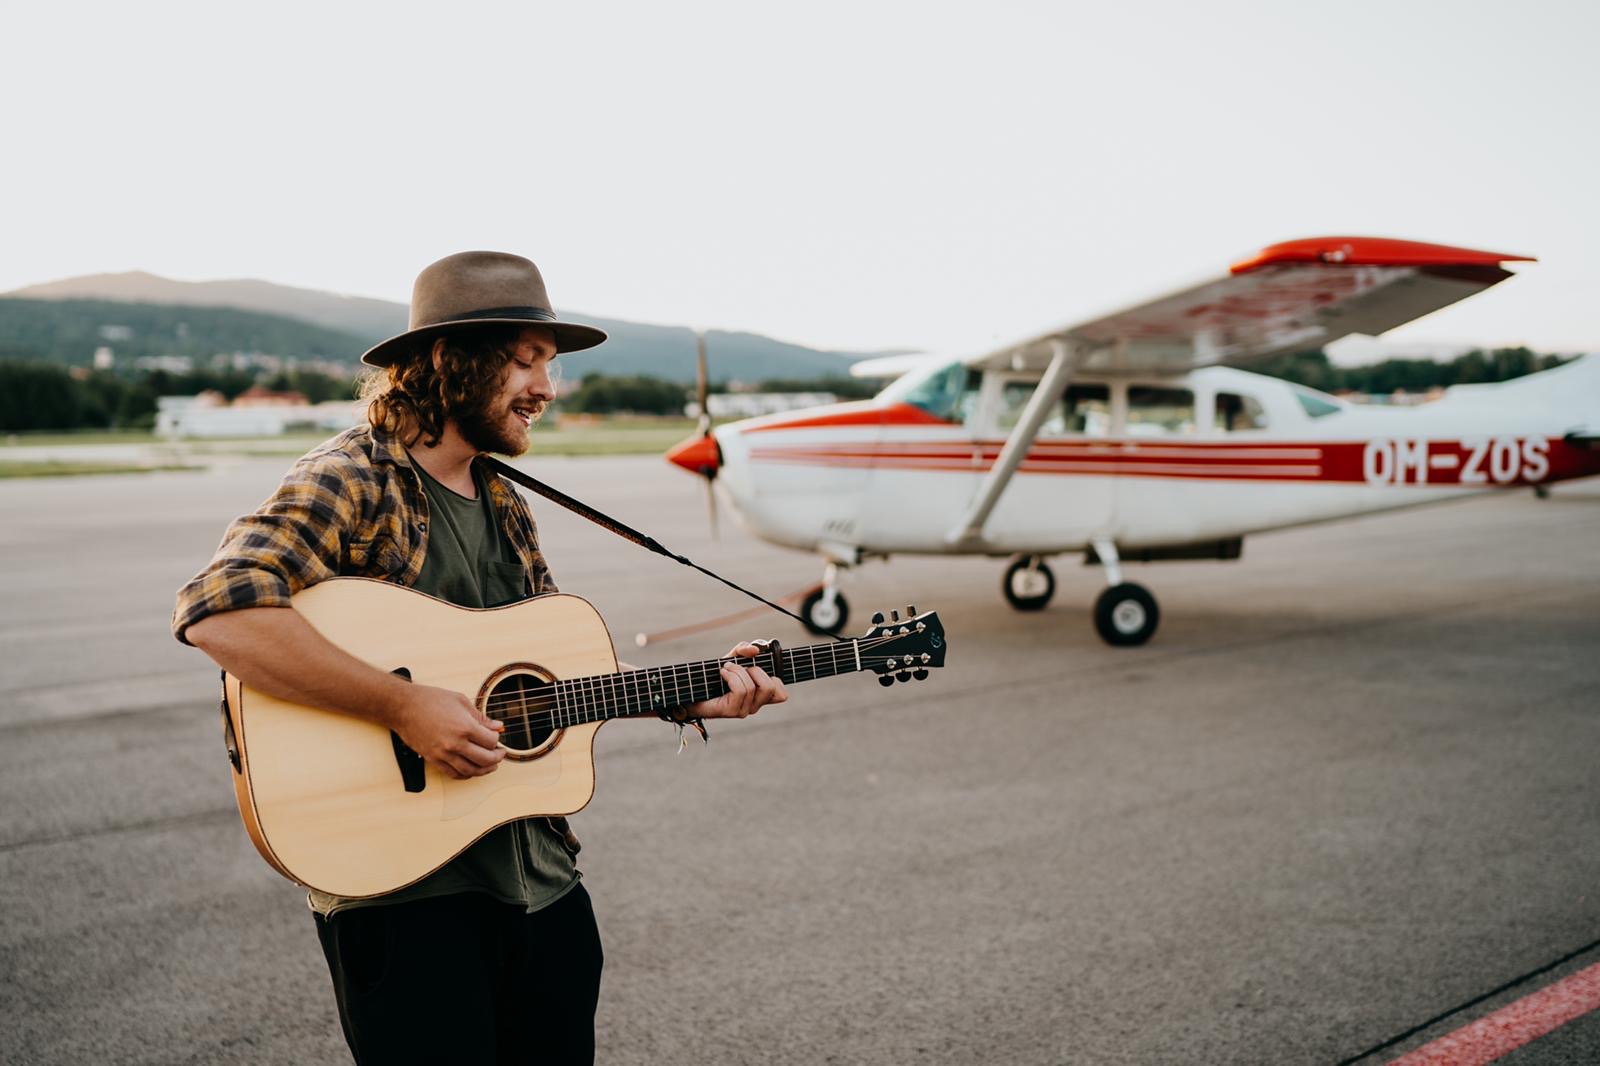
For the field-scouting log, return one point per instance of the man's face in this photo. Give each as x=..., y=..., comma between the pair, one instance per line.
x=502, y=423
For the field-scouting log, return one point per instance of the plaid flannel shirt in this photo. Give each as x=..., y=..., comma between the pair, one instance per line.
x=352, y=507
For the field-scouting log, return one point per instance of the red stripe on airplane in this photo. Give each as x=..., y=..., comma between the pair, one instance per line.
x=1486, y=462
x=867, y=414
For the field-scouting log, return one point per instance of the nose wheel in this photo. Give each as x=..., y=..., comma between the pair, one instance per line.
x=1028, y=584
x=825, y=612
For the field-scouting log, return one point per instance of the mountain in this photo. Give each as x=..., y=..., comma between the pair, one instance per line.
x=359, y=315
x=349, y=324
x=69, y=331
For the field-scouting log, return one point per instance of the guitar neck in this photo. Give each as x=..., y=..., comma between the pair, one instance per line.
x=658, y=688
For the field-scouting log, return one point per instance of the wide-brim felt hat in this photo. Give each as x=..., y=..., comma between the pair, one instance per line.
x=480, y=289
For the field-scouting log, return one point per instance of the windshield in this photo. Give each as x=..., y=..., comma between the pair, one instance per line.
x=1316, y=404
x=942, y=391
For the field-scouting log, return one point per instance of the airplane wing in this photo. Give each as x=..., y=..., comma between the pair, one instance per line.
x=1290, y=297
x=893, y=366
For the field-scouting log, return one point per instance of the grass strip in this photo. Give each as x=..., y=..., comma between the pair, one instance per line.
x=49, y=468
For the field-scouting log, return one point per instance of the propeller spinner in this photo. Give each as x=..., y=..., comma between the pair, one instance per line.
x=700, y=454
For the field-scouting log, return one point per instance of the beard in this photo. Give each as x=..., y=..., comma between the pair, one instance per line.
x=492, y=427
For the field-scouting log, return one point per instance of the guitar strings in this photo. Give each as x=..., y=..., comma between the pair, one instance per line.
x=685, y=670
x=611, y=686
x=545, y=711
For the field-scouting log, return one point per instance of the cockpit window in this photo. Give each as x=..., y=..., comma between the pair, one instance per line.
x=1085, y=410
x=1314, y=403
x=1236, y=411
x=1158, y=411
x=950, y=393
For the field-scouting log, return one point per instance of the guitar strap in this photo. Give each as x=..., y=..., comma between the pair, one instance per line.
x=623, y=530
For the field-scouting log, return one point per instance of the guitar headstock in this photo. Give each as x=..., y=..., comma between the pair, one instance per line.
x=900, y=649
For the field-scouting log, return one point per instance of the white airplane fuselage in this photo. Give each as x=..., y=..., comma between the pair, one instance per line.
x=1208, y=455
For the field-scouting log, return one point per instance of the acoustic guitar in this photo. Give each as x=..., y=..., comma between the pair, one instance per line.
x=337, y=803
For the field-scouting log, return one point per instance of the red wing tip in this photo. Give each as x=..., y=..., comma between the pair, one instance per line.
x=1372, y=251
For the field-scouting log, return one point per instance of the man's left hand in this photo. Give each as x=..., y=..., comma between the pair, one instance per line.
x=750, y=688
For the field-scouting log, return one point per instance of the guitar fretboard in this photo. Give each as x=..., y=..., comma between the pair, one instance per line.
x=657, y=688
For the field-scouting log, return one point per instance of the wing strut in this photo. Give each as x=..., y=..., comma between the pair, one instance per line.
x=968, y=535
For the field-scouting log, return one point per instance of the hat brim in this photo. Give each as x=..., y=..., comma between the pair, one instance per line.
x=570, y=337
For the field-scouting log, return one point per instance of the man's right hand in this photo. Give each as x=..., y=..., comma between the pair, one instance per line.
x=448, y=731
x=277, y=651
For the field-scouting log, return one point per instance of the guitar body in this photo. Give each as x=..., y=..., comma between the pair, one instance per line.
x=324, y=795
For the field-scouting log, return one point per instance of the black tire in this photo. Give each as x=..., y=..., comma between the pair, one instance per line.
x=1034, y=594
x=1126, y=615
x=820, y=622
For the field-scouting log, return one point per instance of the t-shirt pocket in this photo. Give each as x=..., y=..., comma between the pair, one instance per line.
x=503, y=583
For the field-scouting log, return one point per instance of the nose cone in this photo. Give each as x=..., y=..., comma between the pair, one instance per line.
x=698, y=455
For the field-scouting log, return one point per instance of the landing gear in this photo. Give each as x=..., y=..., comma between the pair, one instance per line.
x=1126, y=615
x=1028, y=584
x=825, y=611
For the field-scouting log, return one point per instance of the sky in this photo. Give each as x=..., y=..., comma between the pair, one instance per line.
x=844, y=175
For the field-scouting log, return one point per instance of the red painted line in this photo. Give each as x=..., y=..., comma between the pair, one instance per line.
x=1513, y=1025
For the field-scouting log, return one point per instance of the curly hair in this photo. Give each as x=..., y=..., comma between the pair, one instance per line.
x=413, y=399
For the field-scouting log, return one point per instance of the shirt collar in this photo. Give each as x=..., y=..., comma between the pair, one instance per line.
x=386, y=448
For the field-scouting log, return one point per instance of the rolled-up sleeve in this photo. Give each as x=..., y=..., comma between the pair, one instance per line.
x=297, y=538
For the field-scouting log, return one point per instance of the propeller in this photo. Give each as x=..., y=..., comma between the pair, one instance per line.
x=703, y=428
x=700, y=454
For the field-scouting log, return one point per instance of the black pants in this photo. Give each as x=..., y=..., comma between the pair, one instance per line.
x=465, y=979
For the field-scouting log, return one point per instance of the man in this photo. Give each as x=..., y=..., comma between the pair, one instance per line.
x=495, y=957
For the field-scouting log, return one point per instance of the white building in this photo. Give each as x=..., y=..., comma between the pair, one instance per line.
x=182, y=416
x=750, y=404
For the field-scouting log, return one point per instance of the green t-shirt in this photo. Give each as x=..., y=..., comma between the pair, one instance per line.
x=470, y=563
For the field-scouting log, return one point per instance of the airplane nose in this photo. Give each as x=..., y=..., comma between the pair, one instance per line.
x=698, y=455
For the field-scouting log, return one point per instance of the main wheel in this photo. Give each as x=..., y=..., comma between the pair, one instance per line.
x=1028, y=588
x=1126, y=615
x=823, y=617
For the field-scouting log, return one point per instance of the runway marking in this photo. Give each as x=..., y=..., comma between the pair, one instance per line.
x=1513, y=1025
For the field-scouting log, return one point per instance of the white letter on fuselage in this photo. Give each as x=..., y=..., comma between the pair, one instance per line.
x=1377, y=462
x=1412, y=456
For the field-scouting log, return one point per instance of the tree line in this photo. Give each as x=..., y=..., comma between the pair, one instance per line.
x=41, y=396
x=1407, y=375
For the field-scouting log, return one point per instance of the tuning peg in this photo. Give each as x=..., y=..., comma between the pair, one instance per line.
x=877, y=618
x=902, y=676
x=920, y=675
x=894, y=616
x=911, y=612
x=885, y=680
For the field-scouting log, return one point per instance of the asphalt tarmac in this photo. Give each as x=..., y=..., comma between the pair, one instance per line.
x=1348, y=787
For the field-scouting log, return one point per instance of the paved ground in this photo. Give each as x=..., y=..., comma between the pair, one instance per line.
x=1349, y=786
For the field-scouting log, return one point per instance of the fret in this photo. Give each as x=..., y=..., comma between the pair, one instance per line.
x=598, y=697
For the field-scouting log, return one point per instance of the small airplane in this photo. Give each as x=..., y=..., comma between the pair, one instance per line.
x=1134, y=437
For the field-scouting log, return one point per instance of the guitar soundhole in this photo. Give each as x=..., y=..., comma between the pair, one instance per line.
x=522, y=697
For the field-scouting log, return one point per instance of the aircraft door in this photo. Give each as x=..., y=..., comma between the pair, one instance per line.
x=1064, y=491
